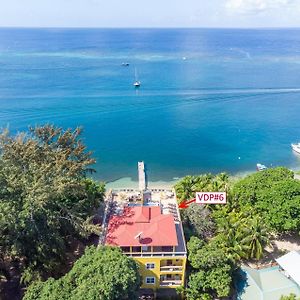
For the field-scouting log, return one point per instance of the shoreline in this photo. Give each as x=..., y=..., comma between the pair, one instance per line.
x=129, y=183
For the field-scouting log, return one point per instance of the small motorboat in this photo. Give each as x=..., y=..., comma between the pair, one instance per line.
x=125, y=64
x=260, y=167
x=296, y=147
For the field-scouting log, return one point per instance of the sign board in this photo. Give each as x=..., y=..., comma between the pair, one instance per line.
x=211, y=197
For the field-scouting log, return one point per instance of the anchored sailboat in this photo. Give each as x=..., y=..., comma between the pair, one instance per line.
x=136, y=83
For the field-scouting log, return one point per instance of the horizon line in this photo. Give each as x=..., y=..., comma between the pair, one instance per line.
x=137, y=27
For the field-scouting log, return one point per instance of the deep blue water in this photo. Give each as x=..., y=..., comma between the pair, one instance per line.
x=235, y=95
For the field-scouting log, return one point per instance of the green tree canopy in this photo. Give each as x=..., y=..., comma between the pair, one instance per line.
x=241, y=234
x=275, y=195
x=104, y=273
x=212, y=270
x=246, y=189
x=45, y=196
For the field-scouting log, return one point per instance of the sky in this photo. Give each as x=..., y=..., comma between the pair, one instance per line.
x=150, y=13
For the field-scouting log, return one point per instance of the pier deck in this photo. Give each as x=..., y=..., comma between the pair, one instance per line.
x=142, y=176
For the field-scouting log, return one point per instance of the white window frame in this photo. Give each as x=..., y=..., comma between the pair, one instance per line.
x=150, y=278
x=150, y=263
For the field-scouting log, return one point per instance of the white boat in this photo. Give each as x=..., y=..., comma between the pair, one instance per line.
x=260, y=167
x=296, y=147
x=137, y=83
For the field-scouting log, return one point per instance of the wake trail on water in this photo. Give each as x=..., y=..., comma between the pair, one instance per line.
x=160, y=92
x=153, y=102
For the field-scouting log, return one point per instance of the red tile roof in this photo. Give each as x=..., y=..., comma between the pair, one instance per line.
x=155, y=228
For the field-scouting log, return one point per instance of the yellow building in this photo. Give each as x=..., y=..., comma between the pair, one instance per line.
x=155, y=240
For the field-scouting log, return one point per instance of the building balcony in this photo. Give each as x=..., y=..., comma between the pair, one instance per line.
x=155, y=254
x=171, y=269
x=172, y=265
x=170, y=283
x=170, y=280
x=153, y=251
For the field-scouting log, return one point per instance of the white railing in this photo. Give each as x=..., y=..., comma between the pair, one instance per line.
x=135, y=190
x=170, y=282
x=171, y=268
x=154, y=254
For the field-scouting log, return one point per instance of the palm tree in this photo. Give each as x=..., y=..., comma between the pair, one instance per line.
x=216, y=186
x=185, y=188
x=223, y=180
x=230, y=228
x=234, y=249
x=256, y=236
x=189, y=185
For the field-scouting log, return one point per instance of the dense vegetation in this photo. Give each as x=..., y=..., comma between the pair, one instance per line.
x=104, y=273
x=213, y=270
x=189, y=185
x=197, y=221
x=222, y=236
x=275, y=196
x=46, y=200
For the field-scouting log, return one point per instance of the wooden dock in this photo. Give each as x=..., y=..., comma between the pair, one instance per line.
x=142, y=176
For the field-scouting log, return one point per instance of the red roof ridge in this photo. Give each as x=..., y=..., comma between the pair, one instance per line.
x=143, y=214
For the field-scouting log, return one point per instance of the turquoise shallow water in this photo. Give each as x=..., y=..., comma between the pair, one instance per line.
x=210, y=100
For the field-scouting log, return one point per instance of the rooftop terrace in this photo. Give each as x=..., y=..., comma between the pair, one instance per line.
x=149, y=218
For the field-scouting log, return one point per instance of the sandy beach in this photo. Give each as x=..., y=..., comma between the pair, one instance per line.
x=128, y=183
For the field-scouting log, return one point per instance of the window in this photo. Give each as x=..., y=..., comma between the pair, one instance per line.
x=150, y=266
x=150, y=280
x=136, y=249
x=125, y=249
x=167, y=248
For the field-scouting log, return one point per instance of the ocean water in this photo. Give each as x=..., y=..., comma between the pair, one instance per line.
x=211, y=100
